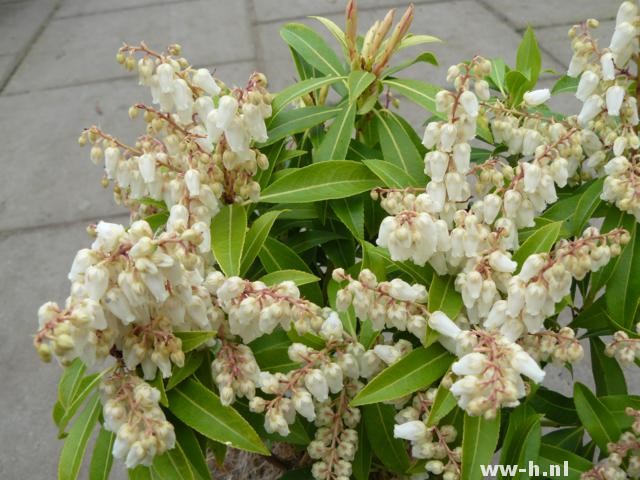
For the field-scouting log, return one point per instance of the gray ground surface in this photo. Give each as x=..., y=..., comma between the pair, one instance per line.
x=58, y=75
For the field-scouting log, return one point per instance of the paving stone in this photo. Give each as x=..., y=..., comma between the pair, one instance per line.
x=70, y=8
x=555, y=40
x=19, y=21
x=6, y=65
x=52, y=177
x=555, y=12
x=73, y=51
x=35, y=265
x=272, y=10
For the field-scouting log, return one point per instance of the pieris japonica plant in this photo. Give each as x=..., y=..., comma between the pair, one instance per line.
x=305, y=268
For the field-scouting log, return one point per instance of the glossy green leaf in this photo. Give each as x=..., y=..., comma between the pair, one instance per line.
x=350, y=211
x=442, y=405
x=87, y=385
x=312, y=47
x=192, y=449
x=522, y=441
x=201, y=409
x=517, y=84
x=70, y=382
x=551, y=455
x=289, y=122
x=497, y=75
x=411, y=40
x=192, y=340
x=101, y=460
x=192, y=361
x=568, y=438
x=336, y=141
x=296, y=276
x=595, y=417
x=158, y=384
x=361, y=465
x=256, y=236
x=76, y=442
x=139, y=473
x=528, y=58
x=542, y=240
x=416, y=371
x=424, y=57
x=589, y=201
x=623, y=288
x=443, y=295
x=379, y=420
x=397, y=146
x=422, y=93
x=173, y=464
x=607, y=374
x=271, y=352
x=359, y=81
x=390, y=174
x=479, y=440
x=228, y=231
x=565, y=84
x=334, y=29
x=594, y=317
x=287, y=95
x=321, y=181
x=554, y=406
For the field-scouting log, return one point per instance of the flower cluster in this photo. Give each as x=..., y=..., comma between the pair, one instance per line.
x=394, y=304
x=559, y=347
x=624, y=348
x=132, y=412
x=545, y=279
x=430, y=442
x=197, y=149
x=235, y=372
x=254, y=309
x=130, y=291
x=489, y=368
x=623, y=461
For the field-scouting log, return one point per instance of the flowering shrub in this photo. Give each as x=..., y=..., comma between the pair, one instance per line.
x=301, y=268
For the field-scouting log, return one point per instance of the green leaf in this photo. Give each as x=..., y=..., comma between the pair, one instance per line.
x=594, y=317
x=517, y=84
x=569, y=438
x=335, y=143
x=188, y=441
x=550, y=455
x=192, y=340
x=554, y=406
x=287, y=95
x=192, y=361
x=87, y=385
x=350, y=211
x=565, y=84
x=158, y=384
x=528, y=58
x=426, y=57
x=139, y=473
x=157, y=220
x=361, y=465
x=414, y=372
x=479, y=442
x=379, y=420
x=542, y=240
x=321, y=181
x=522, y=440
x=442, y=405
x=228, y=230
x=617, y=405
x=101, y=460
x=595, y=417
x=390, y=174
x=271, y=352
x=397, y=146
x=296, y=276
x=497, y=75
x=171, y=465
x=623, y=288
x=333, y=29
x=201, y=409
x=411, y=40
x=76, y=442
x=607, y=374
x=358, y=82
x=587, y=204
x=313, y=49
x=443, y=295
x=289, y=122
x=256, y=236
x=70, y=381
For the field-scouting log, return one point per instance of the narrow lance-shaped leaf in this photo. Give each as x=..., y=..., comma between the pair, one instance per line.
x=390, y=174
x=414, y=372
x=379, y=420
x=192, y=340
x=69, y=382
x=479, y=440
x=289, y=122
x=335, y=143
x=551, y=456
x=350, y=211
x=228, y=230
x=76, y=442
x=397, y=146
x=595, y=417
x=256, y=236
x=443, y=295
x=287, y=95
x=358, y=82
x=321, y=181
x=528, y=58
x=607, y=374
x=102, y=459
x=540, y=241
x=202, y=410
x=296, y=276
